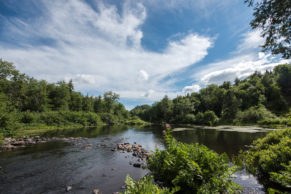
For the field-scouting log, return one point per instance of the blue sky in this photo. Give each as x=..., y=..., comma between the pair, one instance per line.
x=141, y=49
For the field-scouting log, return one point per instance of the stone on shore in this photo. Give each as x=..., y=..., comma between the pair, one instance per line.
x=137, y=165
x=9, y=144
x=136, y=150
x=69, y=188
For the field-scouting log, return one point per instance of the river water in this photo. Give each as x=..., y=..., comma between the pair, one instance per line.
x=51, y=167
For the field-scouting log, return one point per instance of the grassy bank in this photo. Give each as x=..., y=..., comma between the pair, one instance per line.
x=20, y=124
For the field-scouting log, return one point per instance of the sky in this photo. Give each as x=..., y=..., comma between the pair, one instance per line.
x=140, y=49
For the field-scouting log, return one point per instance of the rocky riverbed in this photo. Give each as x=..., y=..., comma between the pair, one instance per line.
x=9, y=144
x=137, y=150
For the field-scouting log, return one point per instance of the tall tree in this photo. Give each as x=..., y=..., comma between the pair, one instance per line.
x=109, y=99
x=273, y=17
x=98, y=105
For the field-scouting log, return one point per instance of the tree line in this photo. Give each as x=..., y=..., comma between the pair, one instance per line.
x=259, y=97
x=24, y=99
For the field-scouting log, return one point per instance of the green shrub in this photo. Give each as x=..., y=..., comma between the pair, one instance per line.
x=52, y=118
x=254, y=114
x=8, y=123
x=282, y=177
x=189, y=118
x=75, y=117
x=92, y=118
x=109, y=118
x=55, y=118
x=276, y=121
x=206, y=118
x=269, y=158
x=135, y=121
x=194, y=168
x=145, y=186
x=28, y=117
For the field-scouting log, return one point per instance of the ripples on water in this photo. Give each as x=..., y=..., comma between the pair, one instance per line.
x=51, y=167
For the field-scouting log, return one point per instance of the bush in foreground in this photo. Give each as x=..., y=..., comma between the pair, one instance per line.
x=269, y=158
x=193, y=168
x=145, y=186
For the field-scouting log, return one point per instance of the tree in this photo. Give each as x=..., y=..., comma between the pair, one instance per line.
x=98, y=105
x=76, y=101
x=110, y=98
x=7, y=70
x=283, y=78
x=212, y=98
x=273, y=17
x=87, y=104
x=59, y=96
x=35, y=96
x=166, y=109
x=230, y=106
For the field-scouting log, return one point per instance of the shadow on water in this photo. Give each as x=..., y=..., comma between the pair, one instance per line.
x=50, y=167
x=89, y=132
x=229, y=142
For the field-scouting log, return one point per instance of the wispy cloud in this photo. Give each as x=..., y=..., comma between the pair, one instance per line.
x=99, y=50
x=246, y=59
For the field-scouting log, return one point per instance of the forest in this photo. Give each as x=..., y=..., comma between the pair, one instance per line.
x=27, y=102
x=261, y=98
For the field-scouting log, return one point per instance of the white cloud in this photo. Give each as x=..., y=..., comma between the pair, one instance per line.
x=190, y=89
x=86, y=79
x=246, y=60
x=99, y=50
x=251, y=41
x=143, y=75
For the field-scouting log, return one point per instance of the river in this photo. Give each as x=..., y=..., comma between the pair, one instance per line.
x=51, y=167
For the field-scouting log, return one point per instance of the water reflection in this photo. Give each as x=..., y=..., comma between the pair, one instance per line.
x=50, y=167
x=229, y=142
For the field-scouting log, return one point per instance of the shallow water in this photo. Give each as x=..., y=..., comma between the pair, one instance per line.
x=51, y=167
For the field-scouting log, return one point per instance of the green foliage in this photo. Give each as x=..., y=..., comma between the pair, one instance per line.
x=145, y=186
x=109, y=99
x=108, y=118
x=257, y=97
x=142, y=112
x=135, y=120
x=269, y=158
x=28, y=101
x=211, y=98
x=8, y=124
x=207, y=118
x=282, y=177
x=194, y=168
x=283, y=78
x=254, y=114
x=230, y=106
x=190, y=118
x=7, y=70
x=273, y=18
x=275, y=122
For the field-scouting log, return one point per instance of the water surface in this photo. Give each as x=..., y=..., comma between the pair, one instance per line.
x=51, y=167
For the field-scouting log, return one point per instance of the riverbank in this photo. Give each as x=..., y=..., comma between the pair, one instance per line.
x=39, y=129
x=231, y=128
x=9, y=144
